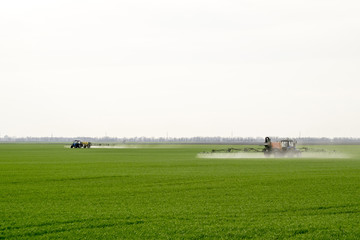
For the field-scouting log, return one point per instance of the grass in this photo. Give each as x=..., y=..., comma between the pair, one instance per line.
x=48, y=191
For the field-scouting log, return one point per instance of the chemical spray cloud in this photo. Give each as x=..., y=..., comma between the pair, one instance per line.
x=326, y=155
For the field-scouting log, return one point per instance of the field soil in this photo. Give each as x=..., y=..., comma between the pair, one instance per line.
x=167, y=192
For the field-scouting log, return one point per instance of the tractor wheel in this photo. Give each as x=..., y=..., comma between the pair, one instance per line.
x=71, y=146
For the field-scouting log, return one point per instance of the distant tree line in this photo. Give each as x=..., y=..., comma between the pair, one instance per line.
x=180, y=140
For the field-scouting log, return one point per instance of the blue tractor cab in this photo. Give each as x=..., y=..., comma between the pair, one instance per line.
x=76, y=144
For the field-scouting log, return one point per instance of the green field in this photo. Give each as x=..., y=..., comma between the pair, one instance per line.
x=165, y=192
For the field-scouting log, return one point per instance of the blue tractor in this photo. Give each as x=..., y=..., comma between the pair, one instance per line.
x=80, y=144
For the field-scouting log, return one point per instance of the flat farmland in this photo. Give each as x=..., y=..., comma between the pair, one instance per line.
x=166, y=192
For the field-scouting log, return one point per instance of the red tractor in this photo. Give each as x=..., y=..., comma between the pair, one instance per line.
x=283, y=148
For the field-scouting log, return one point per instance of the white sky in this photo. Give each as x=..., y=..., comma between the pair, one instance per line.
x=189, y=68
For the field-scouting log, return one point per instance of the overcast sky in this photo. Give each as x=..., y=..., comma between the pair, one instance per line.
x=186, y=68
